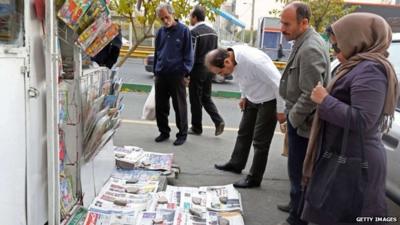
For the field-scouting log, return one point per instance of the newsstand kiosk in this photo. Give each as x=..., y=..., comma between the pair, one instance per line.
x=47, y=97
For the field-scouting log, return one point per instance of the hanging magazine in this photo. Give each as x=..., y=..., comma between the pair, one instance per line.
x=101, y=24
x=97, y=9
x=72, y=11
x=66, y=194
x=102, y=40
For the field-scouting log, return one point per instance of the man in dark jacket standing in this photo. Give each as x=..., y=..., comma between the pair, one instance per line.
x=204, y=39
x=173, y=61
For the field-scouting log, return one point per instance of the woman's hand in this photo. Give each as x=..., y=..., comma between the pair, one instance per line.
x=319, y=93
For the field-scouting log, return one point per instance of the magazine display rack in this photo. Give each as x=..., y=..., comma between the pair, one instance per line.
x=87, y=103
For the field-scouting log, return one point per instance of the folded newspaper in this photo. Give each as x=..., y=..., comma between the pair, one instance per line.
x=222, y=198
x=130, y=157
x=139, y=175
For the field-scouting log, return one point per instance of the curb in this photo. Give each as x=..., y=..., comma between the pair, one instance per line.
x=146, y=88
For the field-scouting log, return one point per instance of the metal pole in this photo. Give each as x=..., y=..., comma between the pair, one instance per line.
x=252, y=23
x=52, y=116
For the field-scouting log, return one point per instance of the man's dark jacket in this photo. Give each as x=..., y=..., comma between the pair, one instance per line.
x=173, y=51
x=204, y=40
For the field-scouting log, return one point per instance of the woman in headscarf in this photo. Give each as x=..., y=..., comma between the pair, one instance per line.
x=365, y=82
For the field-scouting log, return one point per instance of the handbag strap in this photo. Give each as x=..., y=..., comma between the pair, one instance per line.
x=364, y=162
x=346, y=132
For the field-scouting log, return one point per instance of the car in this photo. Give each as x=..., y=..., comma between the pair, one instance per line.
x=149, y=62
x=391, y=140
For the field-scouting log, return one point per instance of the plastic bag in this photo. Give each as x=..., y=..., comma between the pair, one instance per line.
x=149, y=108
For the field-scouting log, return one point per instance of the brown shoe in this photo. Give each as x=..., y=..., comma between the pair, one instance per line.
x=219, y=129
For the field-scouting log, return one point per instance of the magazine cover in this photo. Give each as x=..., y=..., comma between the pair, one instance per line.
x=102, y=40
x=101, y=24
x=96, y=9
x=78, y=216
x=66, y=194
x=72, y=10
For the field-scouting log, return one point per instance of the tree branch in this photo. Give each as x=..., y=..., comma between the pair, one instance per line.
x=133, y=27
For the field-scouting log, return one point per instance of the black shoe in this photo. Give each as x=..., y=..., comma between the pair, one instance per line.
x=246, y=183
x=284, y=207
x=227, y=167
x=219, y=129
x=179, y=141
x=161, y=137
x=194, y=131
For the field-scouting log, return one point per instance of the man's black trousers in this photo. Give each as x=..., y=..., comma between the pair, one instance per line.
x=200, y=96
x=257, y=127
x=173, y=86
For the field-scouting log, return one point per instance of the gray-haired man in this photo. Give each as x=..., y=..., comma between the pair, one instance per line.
x=173, y=61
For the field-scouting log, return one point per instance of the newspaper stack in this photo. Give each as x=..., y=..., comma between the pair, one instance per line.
x=130, y=157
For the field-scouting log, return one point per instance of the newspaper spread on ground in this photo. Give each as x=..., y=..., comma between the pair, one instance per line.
x=162, y=217
x=123, y=204
x=186, y=197
x=130, y=196
x=96, y=218
x=222, y=198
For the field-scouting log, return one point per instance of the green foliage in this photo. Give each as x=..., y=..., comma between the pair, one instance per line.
x=323, y=12
x=146, y=16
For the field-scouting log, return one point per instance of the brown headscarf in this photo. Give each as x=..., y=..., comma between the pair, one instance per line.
x=360, y=36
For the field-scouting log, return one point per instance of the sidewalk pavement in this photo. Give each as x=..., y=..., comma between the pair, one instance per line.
x=199, y=154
